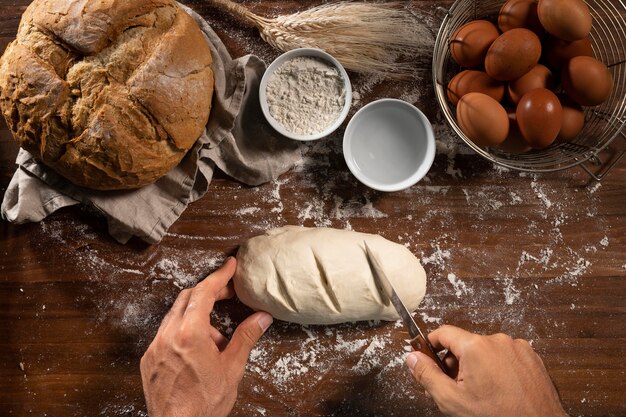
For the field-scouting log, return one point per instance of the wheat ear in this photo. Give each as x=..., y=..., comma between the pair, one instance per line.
x=381, y=38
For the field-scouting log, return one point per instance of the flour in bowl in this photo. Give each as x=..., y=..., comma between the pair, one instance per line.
x=306, y=95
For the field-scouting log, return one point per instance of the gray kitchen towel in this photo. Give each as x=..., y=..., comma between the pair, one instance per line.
x=237, y=139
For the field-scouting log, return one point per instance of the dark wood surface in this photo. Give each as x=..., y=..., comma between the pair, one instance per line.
x=540, y=257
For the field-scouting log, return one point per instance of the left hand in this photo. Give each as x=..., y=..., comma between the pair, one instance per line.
x=190, y=369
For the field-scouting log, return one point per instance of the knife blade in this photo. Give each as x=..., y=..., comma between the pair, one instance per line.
x=419, y=340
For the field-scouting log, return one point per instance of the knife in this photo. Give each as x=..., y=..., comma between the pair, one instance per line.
x=419, y=341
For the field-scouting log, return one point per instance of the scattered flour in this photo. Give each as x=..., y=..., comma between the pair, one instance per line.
x=246, y=211
x=190, y=237
x=449, y=149
x=428, y=319
x=595, y=187
x=122, y=410
x=542, y=259
x=354, y=209
x=350, y=346
x=572, y=273
x=438, y=257
x=515, y=198
x=170, y=269
x=370, y=358
x=511, y=294
x=540, y=193
x=290, y=366
x=460, y=287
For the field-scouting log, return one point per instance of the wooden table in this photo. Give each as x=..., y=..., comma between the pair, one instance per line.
x=540, y=257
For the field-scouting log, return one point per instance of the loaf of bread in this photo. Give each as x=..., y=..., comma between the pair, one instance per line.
x=323, y=276
x=111, y=94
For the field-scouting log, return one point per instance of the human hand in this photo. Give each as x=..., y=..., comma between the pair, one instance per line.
x=497, y=376
x=190, y=369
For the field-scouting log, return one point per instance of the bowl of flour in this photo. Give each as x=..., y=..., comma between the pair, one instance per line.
x=305, y=94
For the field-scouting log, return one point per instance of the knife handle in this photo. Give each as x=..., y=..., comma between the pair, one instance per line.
x=421, y=345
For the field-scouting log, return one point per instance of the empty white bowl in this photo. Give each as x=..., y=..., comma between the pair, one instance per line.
x=318, y=53
x=389, y=145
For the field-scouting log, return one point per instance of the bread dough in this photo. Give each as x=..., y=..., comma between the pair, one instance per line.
x=323, y=276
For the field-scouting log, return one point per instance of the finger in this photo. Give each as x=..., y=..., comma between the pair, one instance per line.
x=431, y=378
x=205, y=294
x=226, y=292
x=219, y=278
x=452, y=364
x=244, y=338
x=523, y=346
x=526, y=352
x=180, y=304
x=452, y=338
x=220, y=340
x=177, y=309
x=504, y=340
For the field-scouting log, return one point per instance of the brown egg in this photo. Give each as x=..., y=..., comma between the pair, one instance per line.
x=470, y=42
x=539, y=116
x=513, y=54
x=587, y=81
x=470, y=81
x=557, y=52
x=514, y=142
x=569, y=20
x=520, y=14
x=573, y=120
x=538, y=77
x=482, y=119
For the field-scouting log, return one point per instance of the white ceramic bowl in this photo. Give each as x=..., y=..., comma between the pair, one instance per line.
x=389, y=145
x=318, y=53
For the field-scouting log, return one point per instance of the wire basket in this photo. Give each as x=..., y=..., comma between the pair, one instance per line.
x=603, y=123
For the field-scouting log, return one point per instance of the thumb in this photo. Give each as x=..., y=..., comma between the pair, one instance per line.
x=246, y=335
x=426, y=372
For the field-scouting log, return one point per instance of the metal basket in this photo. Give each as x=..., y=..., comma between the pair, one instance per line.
x=603, y=124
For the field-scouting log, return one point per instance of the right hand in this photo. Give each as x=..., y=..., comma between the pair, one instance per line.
x=497, y=376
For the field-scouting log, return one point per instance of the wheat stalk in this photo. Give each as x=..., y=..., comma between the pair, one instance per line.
x=379, y=38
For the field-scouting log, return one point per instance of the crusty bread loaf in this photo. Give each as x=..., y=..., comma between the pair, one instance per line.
x=110, y=93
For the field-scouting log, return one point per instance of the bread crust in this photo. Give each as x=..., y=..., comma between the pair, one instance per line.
x=111, y=94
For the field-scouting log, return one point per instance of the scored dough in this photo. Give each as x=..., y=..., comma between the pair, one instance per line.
x=322, y=276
